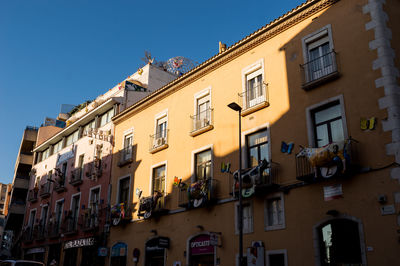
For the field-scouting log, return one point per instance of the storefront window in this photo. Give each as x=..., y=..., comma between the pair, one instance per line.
x=201, y=251
x=118, y=254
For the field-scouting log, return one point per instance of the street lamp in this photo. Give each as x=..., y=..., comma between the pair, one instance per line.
x=234, y=106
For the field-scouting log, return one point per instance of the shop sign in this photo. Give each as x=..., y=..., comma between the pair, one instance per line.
x=201, y=245
x=65, y=156
x=79, y=243
x=102, y=252
x=161, y=242
x=333, y=192
x=35, y=250
x=119, y=250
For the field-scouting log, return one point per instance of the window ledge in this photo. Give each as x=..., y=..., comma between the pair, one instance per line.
x=275, y=227
x=159, y=148
x=255, y=108
x=315, y=83
x=125, y=162
x=201, y=130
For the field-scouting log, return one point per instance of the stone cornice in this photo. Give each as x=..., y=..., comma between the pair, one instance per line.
x=263, y=34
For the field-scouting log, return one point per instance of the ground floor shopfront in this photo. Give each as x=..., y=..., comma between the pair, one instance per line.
x=329, y=223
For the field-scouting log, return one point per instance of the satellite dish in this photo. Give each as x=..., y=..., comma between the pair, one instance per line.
x=179, y=65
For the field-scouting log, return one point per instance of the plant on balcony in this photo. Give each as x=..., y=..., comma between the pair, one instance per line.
x=117, y=213
x=198, y=193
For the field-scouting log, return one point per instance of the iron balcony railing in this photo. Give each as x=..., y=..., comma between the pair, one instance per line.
x=202, y=120
x=76, y=177
x=33, y=195
x=254, y=96
x=45, y=190
x=125, y=155
x=152, y=205
x=92, y=216
x=70, y=225
x=319, y=68
x=41, y=231
x=28, y=234
x=197, y=194
x=259, y=180
x=159, y=140
x=53, y=229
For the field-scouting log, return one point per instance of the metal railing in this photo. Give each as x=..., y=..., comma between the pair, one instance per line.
x=27, y=234
x=319, y=68
x=41, y=231
x=254, y=96
x=159, y=139
x=45, y=190
x=126, y=155
x=76, y=176
x=92, y=217
x=202, y=119
x=53, y=229
x=196, y=194
x=69, y=225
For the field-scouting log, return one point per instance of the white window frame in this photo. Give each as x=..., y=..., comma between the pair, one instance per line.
x=159, y=116
x=310, y=122
x=251, y=229
x=278, y=226
x=252, y=70
x=193, y=161
x=79, y=205
x=264, y=126
x=118, y=188
x=205, y=93
x=128, y=133
x=90, y=193
x=30, y=215
x=41, y=213
x=62, y=209
x=272, y=252
x=315, y=36
x=151, y=175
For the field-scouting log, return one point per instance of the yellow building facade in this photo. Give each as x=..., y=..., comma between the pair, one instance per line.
x=319, y=138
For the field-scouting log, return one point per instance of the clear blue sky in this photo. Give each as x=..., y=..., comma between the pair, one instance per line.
x=54, y=52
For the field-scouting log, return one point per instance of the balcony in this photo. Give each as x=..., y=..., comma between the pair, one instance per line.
x=53, y=229
x=198, y=194
x=319, y=71
x=59, y=186
x=21, y=182
x=41, y=232
x=76, y=177
x=28, y=234
x=94, y=170
x=70, y=225
x=33, y=195
x=91, y=217
x=259, y=180
x=121, y=213
x=254, y=98
x=17, y=207
x=125, y=156
x=45, y=190
x=202, y=122
x=159, y=141
x=338, y=159
x=25, y=159
x=152, y=205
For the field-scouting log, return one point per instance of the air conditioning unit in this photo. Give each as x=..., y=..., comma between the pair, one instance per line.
x=206, y=122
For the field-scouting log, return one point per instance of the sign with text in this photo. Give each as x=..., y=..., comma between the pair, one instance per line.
x=200, y=245
x=65, y=156
x=333, y=192
x=84, y=242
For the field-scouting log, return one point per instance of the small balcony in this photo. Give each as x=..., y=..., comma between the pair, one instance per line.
x=338, y=159
x=94, y=170
x=159, y=141
x=17, y=207
x=21, y=182
x=197, y=194
x=125, y=156
x=152, y=205
x=33, y=195
x=59, y=185
x=28, y=234
x=70, y=225
x=202, y=122
x=121, y=213
x=45, y=190
x=259, y=180
x=53, y=229
x=254, y=98
x=91, y=217
x=76, y=177
x=319, y=70
x=41, y=231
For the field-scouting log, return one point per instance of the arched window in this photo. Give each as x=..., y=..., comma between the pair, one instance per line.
x=339, y=243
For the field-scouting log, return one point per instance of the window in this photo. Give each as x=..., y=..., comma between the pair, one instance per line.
x=247, y=218
x=32, y=218
x=203, y=111
x=72, y=138
x=58, y=212
x=106, y=117
x=161, y=129
x=46, y=154
x=203, y=165
x=123, y=195
x=127, y=153
x=254, y=92
x=158, y=179
x=74, y=212
x=95, y=196
x=64, y=172
x=89, y=125
x=318, y=54
x=58, y=146
x=274, y=212
x=257, y=148
x=43, y=216
x=276, y=257
x=328, y=124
